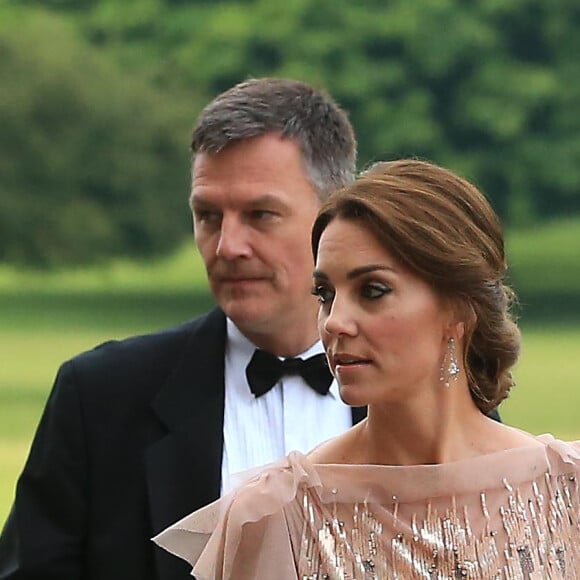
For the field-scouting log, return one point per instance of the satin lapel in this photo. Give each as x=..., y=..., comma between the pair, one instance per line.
x=184, y=467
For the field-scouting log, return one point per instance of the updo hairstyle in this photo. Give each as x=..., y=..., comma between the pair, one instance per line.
x=443, y=229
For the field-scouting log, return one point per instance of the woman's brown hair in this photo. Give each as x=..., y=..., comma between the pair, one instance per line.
x=442, y=228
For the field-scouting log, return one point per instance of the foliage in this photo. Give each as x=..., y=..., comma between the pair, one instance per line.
x=92, y=160
x=488, y=88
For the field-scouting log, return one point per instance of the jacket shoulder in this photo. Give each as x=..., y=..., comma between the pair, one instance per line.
x=145, y=359
x=156, y=343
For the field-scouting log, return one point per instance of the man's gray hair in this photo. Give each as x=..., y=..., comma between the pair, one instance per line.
x=293, y=109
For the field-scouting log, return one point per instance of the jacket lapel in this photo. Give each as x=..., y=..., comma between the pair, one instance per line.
x=184, y=467
x=358, y=414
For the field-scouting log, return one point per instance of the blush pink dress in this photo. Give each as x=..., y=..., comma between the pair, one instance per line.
x=513, y=514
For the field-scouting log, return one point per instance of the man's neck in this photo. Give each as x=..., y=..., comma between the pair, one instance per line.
x=283, y=344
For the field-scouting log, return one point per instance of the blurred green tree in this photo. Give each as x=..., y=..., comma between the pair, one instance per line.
x=489, y=88
x=94, y=160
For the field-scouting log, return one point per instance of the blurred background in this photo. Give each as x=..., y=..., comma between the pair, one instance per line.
x=97, y=100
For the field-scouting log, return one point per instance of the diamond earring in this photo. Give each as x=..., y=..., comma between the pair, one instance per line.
x=450, y=367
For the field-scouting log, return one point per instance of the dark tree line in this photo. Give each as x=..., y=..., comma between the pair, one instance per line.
x=98, y=97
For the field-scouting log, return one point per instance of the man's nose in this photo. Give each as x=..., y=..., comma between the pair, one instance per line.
x=233, y=239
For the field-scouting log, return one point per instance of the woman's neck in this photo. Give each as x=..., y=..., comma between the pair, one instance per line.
x=447, y=429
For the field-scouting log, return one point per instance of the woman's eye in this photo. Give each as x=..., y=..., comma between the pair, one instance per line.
x=375, y=290
x=323, y=294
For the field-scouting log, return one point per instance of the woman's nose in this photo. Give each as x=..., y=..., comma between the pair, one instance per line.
x=340, y=319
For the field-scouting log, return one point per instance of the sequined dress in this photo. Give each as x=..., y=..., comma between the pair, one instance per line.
x=514, y=514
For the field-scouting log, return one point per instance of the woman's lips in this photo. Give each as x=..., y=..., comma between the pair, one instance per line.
x=343, y=362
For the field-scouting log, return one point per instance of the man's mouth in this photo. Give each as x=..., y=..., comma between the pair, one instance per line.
x=239, y=279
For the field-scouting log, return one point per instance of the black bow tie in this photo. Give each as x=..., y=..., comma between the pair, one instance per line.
x=265, y=370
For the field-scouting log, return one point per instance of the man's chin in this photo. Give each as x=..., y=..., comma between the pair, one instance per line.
x=246, y=313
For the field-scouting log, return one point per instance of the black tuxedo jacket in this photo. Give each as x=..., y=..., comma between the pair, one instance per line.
x=130, y=441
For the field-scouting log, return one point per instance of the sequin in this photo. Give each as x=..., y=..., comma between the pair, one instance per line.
x=538, y=539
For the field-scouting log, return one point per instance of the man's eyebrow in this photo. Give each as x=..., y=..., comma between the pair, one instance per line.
x=266, y=199
x=356, y=272
x=200, y=201
x=263, y=200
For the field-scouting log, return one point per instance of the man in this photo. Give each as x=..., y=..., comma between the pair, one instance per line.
x=138, y=433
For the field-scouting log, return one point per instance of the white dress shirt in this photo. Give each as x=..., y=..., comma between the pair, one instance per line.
x=290, y=416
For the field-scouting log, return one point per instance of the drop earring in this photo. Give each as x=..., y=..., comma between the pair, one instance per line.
x=450, y=368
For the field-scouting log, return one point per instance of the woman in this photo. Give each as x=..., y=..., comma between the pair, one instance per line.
x=414, y=317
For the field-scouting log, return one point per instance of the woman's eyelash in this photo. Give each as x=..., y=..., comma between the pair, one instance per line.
x=375, y=290
x=369, y=291
x=321, y=292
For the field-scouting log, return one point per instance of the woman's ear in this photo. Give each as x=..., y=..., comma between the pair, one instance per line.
x=459, y=330
x=455, y=330
x=462, y=318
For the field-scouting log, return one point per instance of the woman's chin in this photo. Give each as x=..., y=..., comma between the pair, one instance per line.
x=353, y=396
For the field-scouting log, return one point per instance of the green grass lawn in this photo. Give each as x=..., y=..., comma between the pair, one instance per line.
x=177, y=273
x=47, y=317
x=546, y=258
x=40, y=332
x=546, y=398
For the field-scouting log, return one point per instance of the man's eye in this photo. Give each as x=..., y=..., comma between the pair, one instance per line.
x=262, y=214
x=375, y=290
x=206, y=216
x=323, y=294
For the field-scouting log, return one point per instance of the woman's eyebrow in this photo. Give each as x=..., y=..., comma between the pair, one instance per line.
x=356, y=272
x=366, y=269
